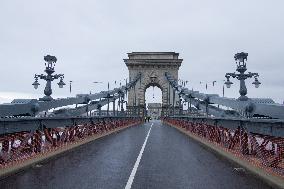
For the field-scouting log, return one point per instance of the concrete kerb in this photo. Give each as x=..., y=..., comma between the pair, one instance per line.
x=6, y=172
x=272, y=180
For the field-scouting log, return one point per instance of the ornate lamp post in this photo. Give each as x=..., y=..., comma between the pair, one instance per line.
x=108, y=97
x=70, y=86
x=51, y=60
x=122, y=102
x=242, y=76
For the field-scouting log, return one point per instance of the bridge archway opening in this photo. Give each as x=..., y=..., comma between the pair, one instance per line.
x=153, y=101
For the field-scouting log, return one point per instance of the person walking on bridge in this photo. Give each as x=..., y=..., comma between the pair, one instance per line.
x=148, y=118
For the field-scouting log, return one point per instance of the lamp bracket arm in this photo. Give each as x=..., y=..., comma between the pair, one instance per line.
x=250, y=75
x=255, y=75
x=233, y=75
x=41, y=76
x=56, y=76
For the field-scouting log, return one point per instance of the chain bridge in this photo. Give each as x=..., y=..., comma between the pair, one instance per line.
x=200, y=141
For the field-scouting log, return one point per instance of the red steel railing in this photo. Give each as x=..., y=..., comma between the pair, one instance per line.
x=16, y=148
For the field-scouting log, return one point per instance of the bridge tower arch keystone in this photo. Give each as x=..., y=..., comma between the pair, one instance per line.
x=152, y=66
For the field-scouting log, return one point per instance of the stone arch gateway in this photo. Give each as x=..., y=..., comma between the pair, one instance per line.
x=152, y=66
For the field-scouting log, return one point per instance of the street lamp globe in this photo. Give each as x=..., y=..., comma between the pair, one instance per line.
x=228, y=83
x=256, y=83
x=36, y=84
x=61, y=83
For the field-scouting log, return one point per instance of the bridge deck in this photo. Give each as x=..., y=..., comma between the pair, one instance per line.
x=170, y=160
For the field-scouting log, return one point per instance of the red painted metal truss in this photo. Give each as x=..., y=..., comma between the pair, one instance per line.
x=16, y=148
x=263, y=151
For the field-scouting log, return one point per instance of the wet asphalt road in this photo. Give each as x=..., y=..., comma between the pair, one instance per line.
x=170, y=160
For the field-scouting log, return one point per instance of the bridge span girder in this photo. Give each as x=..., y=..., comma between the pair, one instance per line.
x=263, y=107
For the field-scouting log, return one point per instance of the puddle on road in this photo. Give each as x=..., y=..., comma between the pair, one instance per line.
x=38, y=165
x=239, y=169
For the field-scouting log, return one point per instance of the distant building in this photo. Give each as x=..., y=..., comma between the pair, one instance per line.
x=154, y=110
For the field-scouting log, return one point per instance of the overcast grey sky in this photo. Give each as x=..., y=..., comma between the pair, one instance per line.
x=91, y=37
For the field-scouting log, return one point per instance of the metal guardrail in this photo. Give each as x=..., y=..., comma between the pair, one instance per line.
x=33, y=138
x=271, y=127
x=13, y=125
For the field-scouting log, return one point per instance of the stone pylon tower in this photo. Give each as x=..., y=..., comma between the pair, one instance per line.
x=152, y=66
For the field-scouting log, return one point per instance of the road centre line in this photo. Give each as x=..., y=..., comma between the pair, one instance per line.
x=133, y=172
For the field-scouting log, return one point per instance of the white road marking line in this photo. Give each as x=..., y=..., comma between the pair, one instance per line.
x=133, y=172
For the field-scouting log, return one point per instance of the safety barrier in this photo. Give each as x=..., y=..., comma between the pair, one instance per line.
x=16, y=148
x=262, y=151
